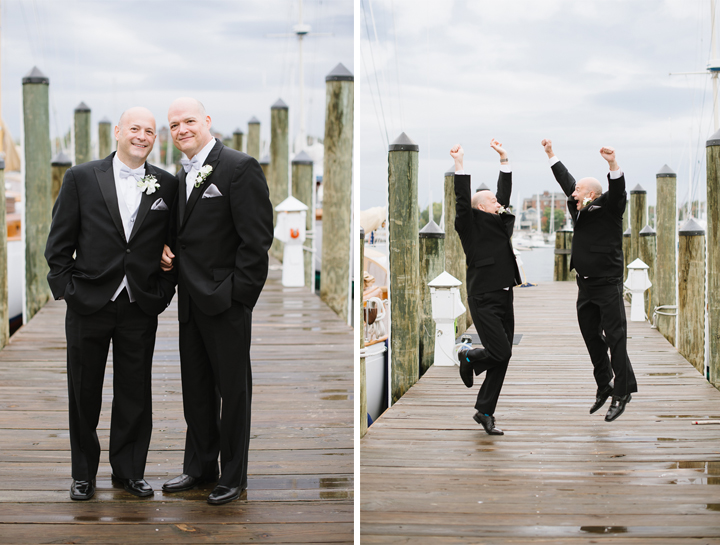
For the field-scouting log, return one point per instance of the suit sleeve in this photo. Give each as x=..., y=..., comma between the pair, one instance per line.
x=168, y=280
x=63, y=237
x=567, y=184
x=617, y=197
x=463, y=206
x=252, y=215
x=504, y=188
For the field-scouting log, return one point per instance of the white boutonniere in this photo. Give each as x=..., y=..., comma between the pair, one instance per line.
x=502, y=210
x=586, y=201
x=202, y=175
x=148, y=184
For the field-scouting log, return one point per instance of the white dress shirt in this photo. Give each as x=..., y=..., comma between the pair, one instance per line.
x=192, y=174
x=128, y=195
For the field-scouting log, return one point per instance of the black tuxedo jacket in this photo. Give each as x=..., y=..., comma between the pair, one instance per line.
x=597, y=237
x=222, y=242
x=86, y=222
x=485, y=238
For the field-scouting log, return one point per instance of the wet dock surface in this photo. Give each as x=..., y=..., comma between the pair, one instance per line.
x=430, y=474
x=300, y=485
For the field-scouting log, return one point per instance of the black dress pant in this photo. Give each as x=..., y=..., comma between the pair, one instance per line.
x=217, y=393
x=601, y=316
x=88, y=340
x=494, y=320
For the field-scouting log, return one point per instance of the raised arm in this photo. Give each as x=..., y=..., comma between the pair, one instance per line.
x=463, y=205
x=563, y=177
x=504, y=185
x=617, y=196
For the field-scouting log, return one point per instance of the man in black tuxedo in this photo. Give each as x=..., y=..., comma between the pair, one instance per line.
x=109, y=224
x=224, y=231
x=485, y=228
x=598, y=261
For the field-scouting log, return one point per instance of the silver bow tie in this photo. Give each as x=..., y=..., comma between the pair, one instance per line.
x=138, y=173
x=188, y=164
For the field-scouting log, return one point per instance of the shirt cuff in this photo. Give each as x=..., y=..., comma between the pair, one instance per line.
x=615, y=174
x=554, y=159
x=505, y=167
x=459, y=172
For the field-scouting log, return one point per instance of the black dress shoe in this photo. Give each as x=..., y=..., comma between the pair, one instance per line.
x=617, y=407
x=487, y=422
x=136, y=487
x=224, y=494
x=186, y=482
x=601, y=397
x=466, y=368
x=82, y=490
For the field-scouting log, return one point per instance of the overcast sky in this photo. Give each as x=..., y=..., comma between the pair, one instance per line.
x=585, y=74
x=115, y=54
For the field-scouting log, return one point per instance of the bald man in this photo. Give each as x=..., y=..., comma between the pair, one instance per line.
x=223, y=234
x=485, y=228
x=109, y=225
x=598, y=262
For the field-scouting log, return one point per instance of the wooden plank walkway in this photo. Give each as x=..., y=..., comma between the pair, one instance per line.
x=300, y=486
x=430, y=474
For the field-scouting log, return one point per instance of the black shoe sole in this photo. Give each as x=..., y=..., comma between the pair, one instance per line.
x=226, y=500
x=81, y=498
x=194, y=485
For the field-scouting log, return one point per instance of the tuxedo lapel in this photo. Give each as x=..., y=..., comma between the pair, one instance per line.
x=106, y=180
x=213, y=159
x=182, y=196
x=145, y=203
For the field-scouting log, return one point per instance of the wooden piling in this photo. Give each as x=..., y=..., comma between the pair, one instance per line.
x=454, y=253
x=60, y=164
x=691, y=294
x=237, y=139
x=360, y=285
x=4, y=317
x=626, y=252
x=302, y=190
x=666, y=270
x=563, y=249
x=38, y=192
x=253, y=140
x=279, y=155
x=105, y=138
x=638, y=219
x=265, y=166
x=626, y=216
x=647, y=254
x=337, y=191
x=713, y=256
x=83, y=150
x=432, y=264
x=404, y=263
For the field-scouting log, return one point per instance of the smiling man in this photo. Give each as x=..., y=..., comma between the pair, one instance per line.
x=597, y=259
x=485, y=229
x=109, y=224
x=223, y=233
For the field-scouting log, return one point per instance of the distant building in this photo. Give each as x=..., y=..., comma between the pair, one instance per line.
x=546, y=201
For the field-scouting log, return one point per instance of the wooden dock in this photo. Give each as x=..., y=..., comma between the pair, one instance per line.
x=430, y=474
x=300, y=487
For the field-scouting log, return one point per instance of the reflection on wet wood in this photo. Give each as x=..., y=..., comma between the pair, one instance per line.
x=558, y=475
x=301, y=451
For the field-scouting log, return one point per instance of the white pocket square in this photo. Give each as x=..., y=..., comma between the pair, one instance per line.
x=594, y=207
x=159, y=205
x=211, y=192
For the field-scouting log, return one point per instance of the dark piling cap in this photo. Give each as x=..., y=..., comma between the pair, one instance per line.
x=61, y=160
x=691, y=228
x=279, y=105
x=647, y=231
x=302, y=158
x=450, y=171
x=265, y=160
x=714, y=140
x=2, y=163
x=35, y=76
x=482, y=187
x=340, y=73
x=238, y=131
x=104, y=121
x=82, y=107
x=362, y=233
x=666, y=172
x=637, y=190
x=431, y=230
x=254, y=121
x=403, y=143
x=628, y=232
